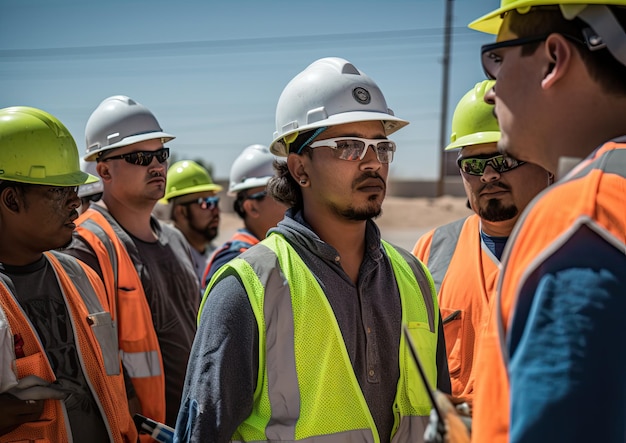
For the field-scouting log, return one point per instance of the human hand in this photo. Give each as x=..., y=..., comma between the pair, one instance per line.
x=456, y=427
x=14, y=412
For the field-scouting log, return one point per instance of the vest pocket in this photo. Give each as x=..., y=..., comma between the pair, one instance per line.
x=459, y=336
x=36, y=364
x=105, y=331
x=425, y=344
x=132, y=307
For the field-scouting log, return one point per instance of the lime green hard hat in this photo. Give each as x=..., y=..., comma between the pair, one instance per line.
x=490, y=23
x=187, y=177
x=36, y=148
x=473, y=122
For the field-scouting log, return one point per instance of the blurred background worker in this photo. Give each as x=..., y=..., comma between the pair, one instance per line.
x=560, y=71
x=249, y=175
x=89, y=192
x=60, y=376
x=145, y=264
x=300, y=336
x=194, y=209
x=464, y=256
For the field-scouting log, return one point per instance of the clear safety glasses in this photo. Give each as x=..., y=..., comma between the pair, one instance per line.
x=142, y=158
x=354, y=149
x=477, y=165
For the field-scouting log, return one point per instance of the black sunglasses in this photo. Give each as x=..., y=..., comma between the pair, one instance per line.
x=257, y=195
x=141, y=158
x=492, y=62
x=477, y=165
x=205, y=202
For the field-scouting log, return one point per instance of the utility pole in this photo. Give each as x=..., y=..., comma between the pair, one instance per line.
x=444, y=96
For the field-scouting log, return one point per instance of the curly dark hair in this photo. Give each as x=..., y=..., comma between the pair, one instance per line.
x=283, y=187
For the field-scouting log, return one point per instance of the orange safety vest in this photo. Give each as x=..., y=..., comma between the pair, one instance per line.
x=93, y=331
x=139, y=345
x=592, y=195
x=465, y=272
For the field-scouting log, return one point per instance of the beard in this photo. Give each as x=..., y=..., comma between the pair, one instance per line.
x=209, y=233
x=495, y=211
x=371, y=209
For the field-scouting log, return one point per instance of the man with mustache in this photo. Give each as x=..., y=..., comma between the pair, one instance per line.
x=464, y=256
x=300, y=337
x=194, y=208
x=145, y=264
x=60, y=377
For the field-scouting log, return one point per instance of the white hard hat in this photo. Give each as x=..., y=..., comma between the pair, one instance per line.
x=90, y=188
x=119, y=121
x=253, y=168
x=330, y=91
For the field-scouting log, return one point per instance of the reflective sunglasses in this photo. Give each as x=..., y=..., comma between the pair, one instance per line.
x=142, y=158
x=477, y=165
x=206, y=202
x=493, y=62
x=257, y=195
x=354, y=149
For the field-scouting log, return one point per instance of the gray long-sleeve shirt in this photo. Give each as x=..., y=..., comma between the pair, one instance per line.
x=223, y=366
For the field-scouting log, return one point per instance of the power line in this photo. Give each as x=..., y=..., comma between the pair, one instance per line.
x=216, y=45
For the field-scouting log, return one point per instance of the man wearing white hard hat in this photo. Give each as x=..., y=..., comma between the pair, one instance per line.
x=249, y=175
x=145, y=264
x=544, y=373
x=301, y=336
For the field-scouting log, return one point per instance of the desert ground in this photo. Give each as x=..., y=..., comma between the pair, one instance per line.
x=402, y=221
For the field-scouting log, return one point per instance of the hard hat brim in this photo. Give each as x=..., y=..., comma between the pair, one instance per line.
x=164, y=136
x=390, y=122
x=192, y=190
x=74, y=179
x=248, y=184
x=478, y=138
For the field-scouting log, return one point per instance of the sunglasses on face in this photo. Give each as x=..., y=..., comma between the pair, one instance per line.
x=354, y=149
x=492, y=61
x=477, y=165
x=206, y=202
x=257, y=195
x=142, y=158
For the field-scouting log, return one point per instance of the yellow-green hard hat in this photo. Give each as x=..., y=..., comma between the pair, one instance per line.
x=187, y=177
x=490, y=22
x=473, y=122
x=36, y=148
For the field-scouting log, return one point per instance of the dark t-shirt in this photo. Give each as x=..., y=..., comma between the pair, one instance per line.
x=38, y=293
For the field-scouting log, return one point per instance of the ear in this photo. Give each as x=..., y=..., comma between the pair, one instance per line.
x=103, y=171
x=297, y=167
x=251, y=208
x=10, y=199
x=179, y=211
x=558, y=55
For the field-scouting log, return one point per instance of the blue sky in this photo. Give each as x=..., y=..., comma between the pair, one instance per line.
x=212, y=71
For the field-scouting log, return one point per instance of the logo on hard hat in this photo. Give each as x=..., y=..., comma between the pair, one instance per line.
x=361, y=95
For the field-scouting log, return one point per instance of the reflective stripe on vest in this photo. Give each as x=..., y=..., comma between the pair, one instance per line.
x=442, y=249
x=102, y=325
x=137, y=364
x=294, y=319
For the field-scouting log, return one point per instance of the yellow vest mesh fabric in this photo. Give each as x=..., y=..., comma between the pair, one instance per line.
x=322, y=362
x=412, y=396
x=331, y=399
